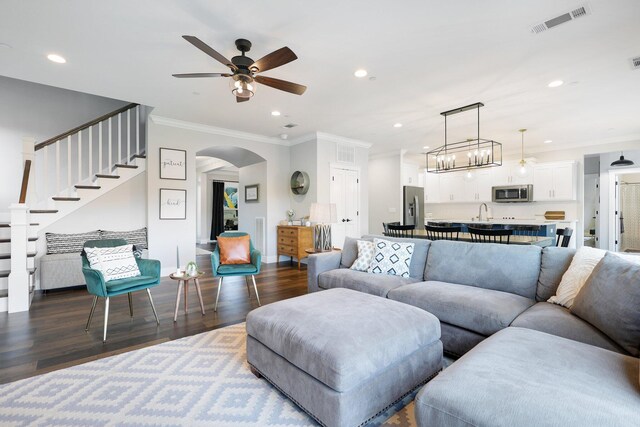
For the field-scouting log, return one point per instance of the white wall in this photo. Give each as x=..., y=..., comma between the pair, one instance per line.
x=248, y=212
x=164, y=235
x=304, y=158
x=385, y=191
x=38, y=111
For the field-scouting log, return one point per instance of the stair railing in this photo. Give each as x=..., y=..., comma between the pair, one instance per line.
x=76, y=156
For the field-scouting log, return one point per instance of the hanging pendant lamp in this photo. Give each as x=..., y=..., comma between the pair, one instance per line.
x=622, y=162
x=523, y=162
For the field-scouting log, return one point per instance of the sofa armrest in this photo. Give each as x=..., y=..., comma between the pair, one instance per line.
x=149, y=267
x=319, y=263
x=95, y=282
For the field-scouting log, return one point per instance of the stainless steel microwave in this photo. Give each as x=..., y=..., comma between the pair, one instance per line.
x=512, y=193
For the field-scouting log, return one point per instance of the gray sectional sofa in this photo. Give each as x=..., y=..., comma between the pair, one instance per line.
x=516, y=351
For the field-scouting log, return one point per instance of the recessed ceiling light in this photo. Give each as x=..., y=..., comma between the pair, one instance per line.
x=556, y=83
x=426, y=147
x=548, y=141
x=360, y=73
x=56, y=58
x=275, y=113
x=397, y=125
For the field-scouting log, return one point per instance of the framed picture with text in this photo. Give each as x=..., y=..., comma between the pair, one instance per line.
x=251, y=193
x=173, y=204
x=173, y=164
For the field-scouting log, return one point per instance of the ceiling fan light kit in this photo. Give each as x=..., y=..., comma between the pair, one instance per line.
x=474, y=153
x=244, y=70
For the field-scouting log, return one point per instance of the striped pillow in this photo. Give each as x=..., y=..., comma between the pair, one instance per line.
x=135, y=237
x=114, y=263
x=58, y=243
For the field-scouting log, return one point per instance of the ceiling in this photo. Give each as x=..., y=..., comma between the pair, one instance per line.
x=426, y=57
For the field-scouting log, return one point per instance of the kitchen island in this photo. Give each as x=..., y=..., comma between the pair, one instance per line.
x=542, y=241
x=547, y=228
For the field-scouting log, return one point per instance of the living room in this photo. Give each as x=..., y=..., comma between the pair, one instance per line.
x=119, y=148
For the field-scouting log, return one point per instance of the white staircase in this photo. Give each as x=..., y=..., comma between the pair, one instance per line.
x=62, y=175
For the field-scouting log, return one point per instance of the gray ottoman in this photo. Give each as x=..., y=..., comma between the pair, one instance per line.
x=341, y=355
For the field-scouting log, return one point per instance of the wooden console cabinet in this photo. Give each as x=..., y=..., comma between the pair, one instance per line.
x=293, y=240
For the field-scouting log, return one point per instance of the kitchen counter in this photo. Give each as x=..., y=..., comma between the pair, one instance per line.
x=496, y=221
x=513, y=240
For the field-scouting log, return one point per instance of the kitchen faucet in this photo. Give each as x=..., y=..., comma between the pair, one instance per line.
x=486, y=210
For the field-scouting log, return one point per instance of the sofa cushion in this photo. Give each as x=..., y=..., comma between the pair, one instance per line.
x=507, y=268
x=231, y=269
x=480, y=310
x=420, y=252
x=374, y=284
x=342, y=337
x=582, y=265
x=132, y=282
x=393, y=258
x=522, y=377
x=557, y=320
x=366, y=250
x=555, y=261
x=610, y=301
x=349, y=252
x=58, y=243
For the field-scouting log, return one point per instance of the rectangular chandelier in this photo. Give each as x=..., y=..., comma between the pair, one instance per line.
x=474, y=153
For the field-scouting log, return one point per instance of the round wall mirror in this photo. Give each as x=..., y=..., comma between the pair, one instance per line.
x=299, y=182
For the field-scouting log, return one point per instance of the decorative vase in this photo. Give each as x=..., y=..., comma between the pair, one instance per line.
x=191, y=269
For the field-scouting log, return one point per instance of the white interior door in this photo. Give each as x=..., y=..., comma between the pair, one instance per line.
x=345, y=193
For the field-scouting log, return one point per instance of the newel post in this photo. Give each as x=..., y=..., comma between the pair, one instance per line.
x=28, y=153
x=19, y=295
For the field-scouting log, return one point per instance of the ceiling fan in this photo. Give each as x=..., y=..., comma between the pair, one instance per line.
x=244, y=70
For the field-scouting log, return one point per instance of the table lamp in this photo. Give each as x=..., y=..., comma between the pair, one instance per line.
x=323, y=215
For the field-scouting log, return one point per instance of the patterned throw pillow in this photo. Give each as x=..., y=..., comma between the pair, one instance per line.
x=135, y=237
x=114, y=263
x=391, y=258
x=58, y=243
x=366, y=251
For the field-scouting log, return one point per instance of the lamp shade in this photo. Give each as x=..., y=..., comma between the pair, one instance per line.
x=323, y=213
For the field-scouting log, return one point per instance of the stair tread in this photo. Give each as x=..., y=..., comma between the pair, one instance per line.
x=120, y=165
x=139, y=156
x=5, y=273
x=6, y=224
x=42, y=211
x=102, y=175
x=88, y=187
x=30, y=239
x=66, y=199
x=8, y=256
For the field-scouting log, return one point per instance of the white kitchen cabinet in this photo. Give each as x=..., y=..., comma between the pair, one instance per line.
x=478, y=188
x=410, y=174
x=510, y=174
x=452, y=187
x=431, y=187
x=555, y=182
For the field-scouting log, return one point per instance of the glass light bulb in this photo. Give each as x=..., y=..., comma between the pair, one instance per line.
x=523, y=170
x=249, y=87
x=237, y=83
x=239, y=89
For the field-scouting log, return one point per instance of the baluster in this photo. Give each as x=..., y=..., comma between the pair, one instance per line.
x=138, y=129
x=45, y=173
x=69, y=164
x=119, y=138
x=110, y=164
x=90, y=152
x=100, y=147
x=57, y=167
x=79, y=158
x=128, y=135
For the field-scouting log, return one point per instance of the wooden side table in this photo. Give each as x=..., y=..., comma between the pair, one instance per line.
x=184, y=280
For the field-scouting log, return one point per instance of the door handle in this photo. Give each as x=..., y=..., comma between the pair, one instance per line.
x=343, y=220
x=348, y=220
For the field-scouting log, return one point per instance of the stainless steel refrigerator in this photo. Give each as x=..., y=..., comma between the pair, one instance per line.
x=413, y=206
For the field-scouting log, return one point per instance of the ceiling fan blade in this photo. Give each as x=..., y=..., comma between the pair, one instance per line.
x=274, y=59
x=239, y=99
x=281, y=84
x=191, y=75
x=209, y=51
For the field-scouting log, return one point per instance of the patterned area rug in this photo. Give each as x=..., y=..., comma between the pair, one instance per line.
x=202, y=380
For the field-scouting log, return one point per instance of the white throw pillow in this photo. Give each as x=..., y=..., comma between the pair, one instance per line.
x=583, y=263
x=391, y=258
x=114, y=263
x=366, y=251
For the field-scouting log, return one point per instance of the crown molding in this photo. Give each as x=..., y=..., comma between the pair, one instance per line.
x=327, y=137
x=214, y=130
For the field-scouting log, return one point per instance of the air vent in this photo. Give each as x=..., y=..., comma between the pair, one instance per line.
x=635, y=63
x=576, y=13
x=290, y=125
x=346, y=153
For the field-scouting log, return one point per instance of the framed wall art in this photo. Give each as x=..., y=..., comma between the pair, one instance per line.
x=173, y=164
x=252, y=193
x=173, y=204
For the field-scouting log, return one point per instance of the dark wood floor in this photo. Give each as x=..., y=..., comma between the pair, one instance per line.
x=51, y=335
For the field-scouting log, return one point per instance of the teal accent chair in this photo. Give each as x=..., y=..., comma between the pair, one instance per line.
x=246, y=270
x=98, y=287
